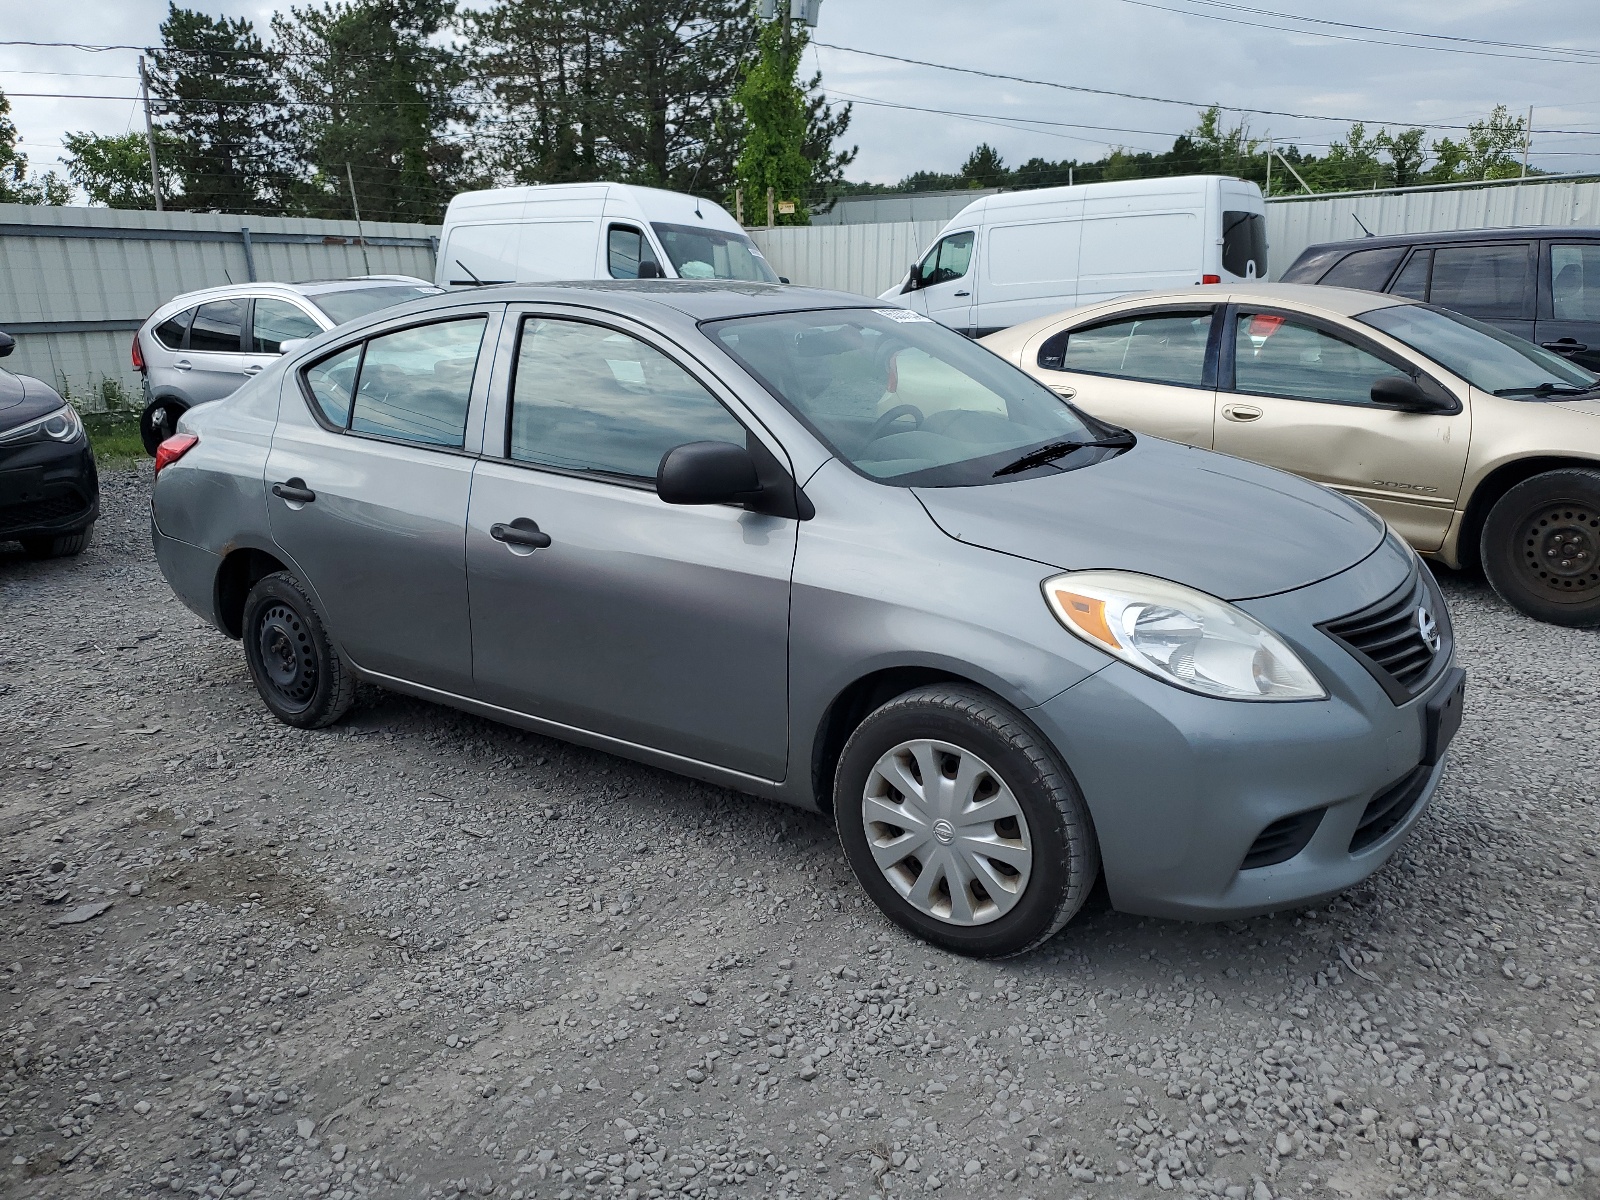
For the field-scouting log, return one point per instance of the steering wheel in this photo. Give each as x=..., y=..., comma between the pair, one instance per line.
x=880, y=427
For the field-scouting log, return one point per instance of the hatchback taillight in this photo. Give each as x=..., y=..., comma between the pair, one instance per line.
x=138, y=354
x=174, y=448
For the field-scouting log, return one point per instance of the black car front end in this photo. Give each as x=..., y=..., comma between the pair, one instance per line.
x=49, y=491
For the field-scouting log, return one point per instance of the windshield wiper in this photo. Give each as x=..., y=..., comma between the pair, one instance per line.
x=1054, y=450
x=1547, y=389
x=475, y=281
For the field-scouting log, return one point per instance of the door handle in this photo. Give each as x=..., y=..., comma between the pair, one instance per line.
x=294, y=491
x=253, y=369
x=962, y=293
x=1565, y=346
x=1241, y=412
x=521, y=532
x=183, y=364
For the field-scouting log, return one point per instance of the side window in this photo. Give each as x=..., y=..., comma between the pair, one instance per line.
x=587, y=398
x=948, y=260
x=1275, y=356
x=332, y=382
x=1575, y=281
x=278, y=321
x=1488, y=281
x=626, y=248
x=217, y=327
x=170, y=332
x=1412, y=282
x=1159, y=348
x=414, y=383
x=1365, y=270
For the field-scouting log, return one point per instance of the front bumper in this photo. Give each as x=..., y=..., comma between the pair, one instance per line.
x=1181, y=786
x=47, y=488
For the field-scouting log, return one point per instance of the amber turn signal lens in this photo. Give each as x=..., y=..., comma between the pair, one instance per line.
x=1089, y=615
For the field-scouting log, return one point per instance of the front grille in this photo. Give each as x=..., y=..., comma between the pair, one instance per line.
x=1388, y=808
x=1387, y=637
x=1282, y=840
x=31, y=513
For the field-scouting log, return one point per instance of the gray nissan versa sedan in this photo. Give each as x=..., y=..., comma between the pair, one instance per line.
x=837, y=555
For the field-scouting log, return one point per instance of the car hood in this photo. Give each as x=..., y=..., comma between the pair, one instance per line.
x=1228, y=527
x=23, y=399
x=13, y=388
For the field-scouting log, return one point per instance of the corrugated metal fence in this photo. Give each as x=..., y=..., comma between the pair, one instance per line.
x=76, y=282
x=870, y=258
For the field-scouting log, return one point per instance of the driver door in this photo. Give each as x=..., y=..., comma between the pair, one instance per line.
x=947, y=293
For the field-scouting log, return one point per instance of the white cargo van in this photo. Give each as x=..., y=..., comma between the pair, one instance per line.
x=1013, y=256
x=591, y=231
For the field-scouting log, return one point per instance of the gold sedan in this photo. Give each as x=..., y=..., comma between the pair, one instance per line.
x=1475, y=445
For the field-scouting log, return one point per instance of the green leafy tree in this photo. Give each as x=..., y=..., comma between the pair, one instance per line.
x=17, y=185
x=774, y=111
x=369, y=86
x=1406, y=156
x=114, y=170
x=216, y=86
x=1492, y=149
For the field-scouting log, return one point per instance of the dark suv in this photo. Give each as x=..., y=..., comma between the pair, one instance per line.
x=1542, y=284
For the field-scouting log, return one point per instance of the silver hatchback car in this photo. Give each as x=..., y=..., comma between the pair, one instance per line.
x=202, y=345
x=835, y=555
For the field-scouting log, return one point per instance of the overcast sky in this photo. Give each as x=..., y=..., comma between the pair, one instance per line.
x=1137, y=46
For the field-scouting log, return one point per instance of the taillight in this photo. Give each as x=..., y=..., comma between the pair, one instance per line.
x=138, y=354
x=174, y=448
x=1211, y=279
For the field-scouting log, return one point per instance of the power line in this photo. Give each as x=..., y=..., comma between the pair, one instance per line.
x=1200, y=104
x=1344, y=37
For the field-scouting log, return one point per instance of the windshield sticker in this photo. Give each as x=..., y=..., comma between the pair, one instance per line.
x=904, y=315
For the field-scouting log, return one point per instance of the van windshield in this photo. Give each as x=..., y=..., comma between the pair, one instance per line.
x=905, y=400
x=700, y=253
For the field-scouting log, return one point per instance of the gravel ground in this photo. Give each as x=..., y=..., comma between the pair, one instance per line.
x=424, y=955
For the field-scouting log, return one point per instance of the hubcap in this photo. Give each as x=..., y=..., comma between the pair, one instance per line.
x=947, y=833
x=1559, y=546
x=288, y=663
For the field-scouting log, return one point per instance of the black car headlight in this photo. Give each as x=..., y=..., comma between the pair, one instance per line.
x=62, y=425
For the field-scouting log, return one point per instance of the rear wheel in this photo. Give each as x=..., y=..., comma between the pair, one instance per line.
x=963, y=824
x=292, y=661
x=63, y=545
x=1541, y=547
x=158, y=422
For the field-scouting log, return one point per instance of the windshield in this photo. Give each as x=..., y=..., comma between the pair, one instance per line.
x=350, y=303
x=904, y=399
x=1488, y=358
x=700, y=253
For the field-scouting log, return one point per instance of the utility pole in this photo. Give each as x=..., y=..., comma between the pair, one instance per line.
x=1269, y=164
x=1527, y=140
x=150, y=133
x=351, y=179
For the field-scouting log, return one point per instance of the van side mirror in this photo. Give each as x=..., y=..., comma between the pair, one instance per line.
x=913, y=279
x=7, y=344
x=1407, y=395
x=707, y=473
x=651, y=269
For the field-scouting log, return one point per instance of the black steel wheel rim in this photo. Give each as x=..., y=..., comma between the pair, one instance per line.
x=1558, y=551
x=288, y=661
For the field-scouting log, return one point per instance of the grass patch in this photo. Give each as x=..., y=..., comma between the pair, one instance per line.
x=114, y=436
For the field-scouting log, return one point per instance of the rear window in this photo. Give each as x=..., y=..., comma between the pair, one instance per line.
x=350, y=303
x=1365, y=270
x=1244, y=242
x=170, y=332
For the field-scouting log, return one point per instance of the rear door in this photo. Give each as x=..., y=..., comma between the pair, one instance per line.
x=1295, y=393
x=274, y=321
x=1152, y=371
x=1569, y=301
x=213, y=363
x=1492, y=281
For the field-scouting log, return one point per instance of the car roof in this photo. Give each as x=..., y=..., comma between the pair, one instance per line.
x=316, y=287
x=1514, y=233
x=697, y=299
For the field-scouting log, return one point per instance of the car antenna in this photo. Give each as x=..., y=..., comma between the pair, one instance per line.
x=227, y=276
x=1364, y=229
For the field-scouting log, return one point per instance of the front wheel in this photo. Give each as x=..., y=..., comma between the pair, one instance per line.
x=292, y=661
x=1541, y=547
x=962, y=823
x=158, y=422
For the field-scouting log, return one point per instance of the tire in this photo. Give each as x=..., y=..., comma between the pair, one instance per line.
x=1051, y=857
x=64, y=545
x=158, y=422
x=293, y=663
x=1541, y=547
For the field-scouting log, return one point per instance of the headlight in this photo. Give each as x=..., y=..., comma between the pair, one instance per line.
x=1180, y=636
x=62, y=425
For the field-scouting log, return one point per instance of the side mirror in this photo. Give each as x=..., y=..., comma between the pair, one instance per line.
x=650, y=269
x=913, y=279
x=1404, y=393
x=707, y=473
x=7, y=344
x=290, y=345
